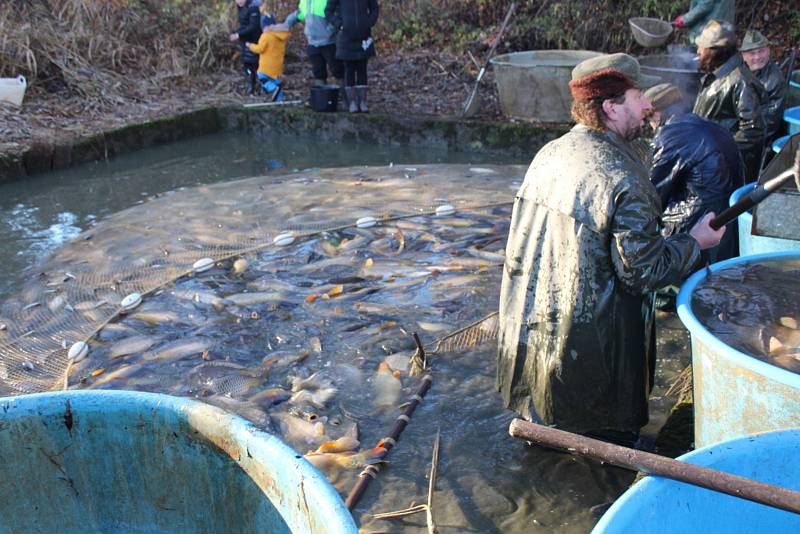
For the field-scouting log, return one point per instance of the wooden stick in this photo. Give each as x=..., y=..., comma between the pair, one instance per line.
x=401, y=513
x=431, y=483
x=389, y=442
x=737, y=486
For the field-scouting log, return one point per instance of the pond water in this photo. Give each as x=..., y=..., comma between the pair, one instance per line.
x=312, y=340
x=40, y=213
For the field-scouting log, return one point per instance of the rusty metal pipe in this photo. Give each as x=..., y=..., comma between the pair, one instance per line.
x=744, y=488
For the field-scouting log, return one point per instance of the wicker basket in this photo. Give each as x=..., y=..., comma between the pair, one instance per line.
x=649, y=32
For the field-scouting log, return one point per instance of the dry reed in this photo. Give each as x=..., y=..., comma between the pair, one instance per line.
x=99, y=49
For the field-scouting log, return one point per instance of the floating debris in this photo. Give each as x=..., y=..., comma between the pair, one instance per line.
x=78, y=351
x=131, y=301
x=202, y=265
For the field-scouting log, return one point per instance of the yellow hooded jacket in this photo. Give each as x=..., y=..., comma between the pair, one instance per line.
x=271, y=48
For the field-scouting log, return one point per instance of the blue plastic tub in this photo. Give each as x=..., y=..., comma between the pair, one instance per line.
x=658, y=505
x=119, y=461
x=778, y=143
x=792, y=118
x=756, y=244
x=735, y=394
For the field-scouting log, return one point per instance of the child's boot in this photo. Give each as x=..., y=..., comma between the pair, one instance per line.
x=343, y=98
x=361, y=93
x=352, y=99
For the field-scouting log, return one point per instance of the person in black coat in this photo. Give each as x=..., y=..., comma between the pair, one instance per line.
x=696, y=165
x=354, y=44
x=249, y=31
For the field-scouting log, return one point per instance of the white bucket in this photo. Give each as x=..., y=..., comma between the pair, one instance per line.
x=13, y=89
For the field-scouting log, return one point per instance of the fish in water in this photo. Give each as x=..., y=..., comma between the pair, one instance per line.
x=297, y=430
x=156, y=317
x=178, y=350
x=270, y=397
x=313, y=382
x=343, y=444
x=387, y=387
x=346, y=460
x=123, y=372
x=251, y=299
x=239, y=266
x=202, y=297
x=318, y=399
x=132, y=345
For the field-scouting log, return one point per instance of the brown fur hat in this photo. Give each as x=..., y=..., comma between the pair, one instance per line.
x=602, y=84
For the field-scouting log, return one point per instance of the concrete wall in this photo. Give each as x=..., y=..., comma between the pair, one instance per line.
x=515, y=139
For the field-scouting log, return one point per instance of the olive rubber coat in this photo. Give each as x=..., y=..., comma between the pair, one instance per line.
x=584, y=250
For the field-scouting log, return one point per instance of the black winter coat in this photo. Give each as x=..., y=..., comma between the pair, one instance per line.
x=774, y=102
x=732, y=97
x=249, y=31
x=695, y=165
x=355, y=19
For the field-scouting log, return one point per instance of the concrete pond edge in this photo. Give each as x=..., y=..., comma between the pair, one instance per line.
x=507, y=138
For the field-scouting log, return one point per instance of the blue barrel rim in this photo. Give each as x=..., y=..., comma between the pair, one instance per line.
x=737, y=195
x=696, y=328
x=261, y=446
x=780, y=142
x=702, y=457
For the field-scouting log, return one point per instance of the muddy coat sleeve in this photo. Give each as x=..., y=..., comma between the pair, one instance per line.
x=643, y=260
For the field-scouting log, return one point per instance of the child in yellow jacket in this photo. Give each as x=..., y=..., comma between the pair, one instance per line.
x=271, y=48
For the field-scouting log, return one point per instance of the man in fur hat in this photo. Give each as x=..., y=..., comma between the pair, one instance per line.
x=576, y=346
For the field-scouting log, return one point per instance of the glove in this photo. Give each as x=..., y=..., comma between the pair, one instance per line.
x=679, y=21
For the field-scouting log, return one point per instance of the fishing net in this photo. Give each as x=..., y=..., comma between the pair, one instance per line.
x=78, y=291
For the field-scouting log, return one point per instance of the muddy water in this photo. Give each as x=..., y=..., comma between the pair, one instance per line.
x=755, y=308
x=298, y=340
x=40, y=213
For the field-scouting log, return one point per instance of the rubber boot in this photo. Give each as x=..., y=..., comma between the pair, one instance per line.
x=344, y=101
x=250, y=81
x=352, y=99
x=361, y=93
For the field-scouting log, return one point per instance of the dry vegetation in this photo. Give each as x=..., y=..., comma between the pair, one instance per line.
x=99, y=64
x=101, y=49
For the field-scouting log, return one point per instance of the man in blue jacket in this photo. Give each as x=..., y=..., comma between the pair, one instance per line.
x=695, y=164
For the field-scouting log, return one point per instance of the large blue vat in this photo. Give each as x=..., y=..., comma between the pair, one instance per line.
x=118, y=461
x=659, y=505
x=735, y=394
x=756, y=244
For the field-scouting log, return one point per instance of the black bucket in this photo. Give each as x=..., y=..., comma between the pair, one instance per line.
x=324, y=97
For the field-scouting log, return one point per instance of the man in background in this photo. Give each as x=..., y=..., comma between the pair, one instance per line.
x=701, y=12
x=695, y=163
x=730, y=94
x=756, y=53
